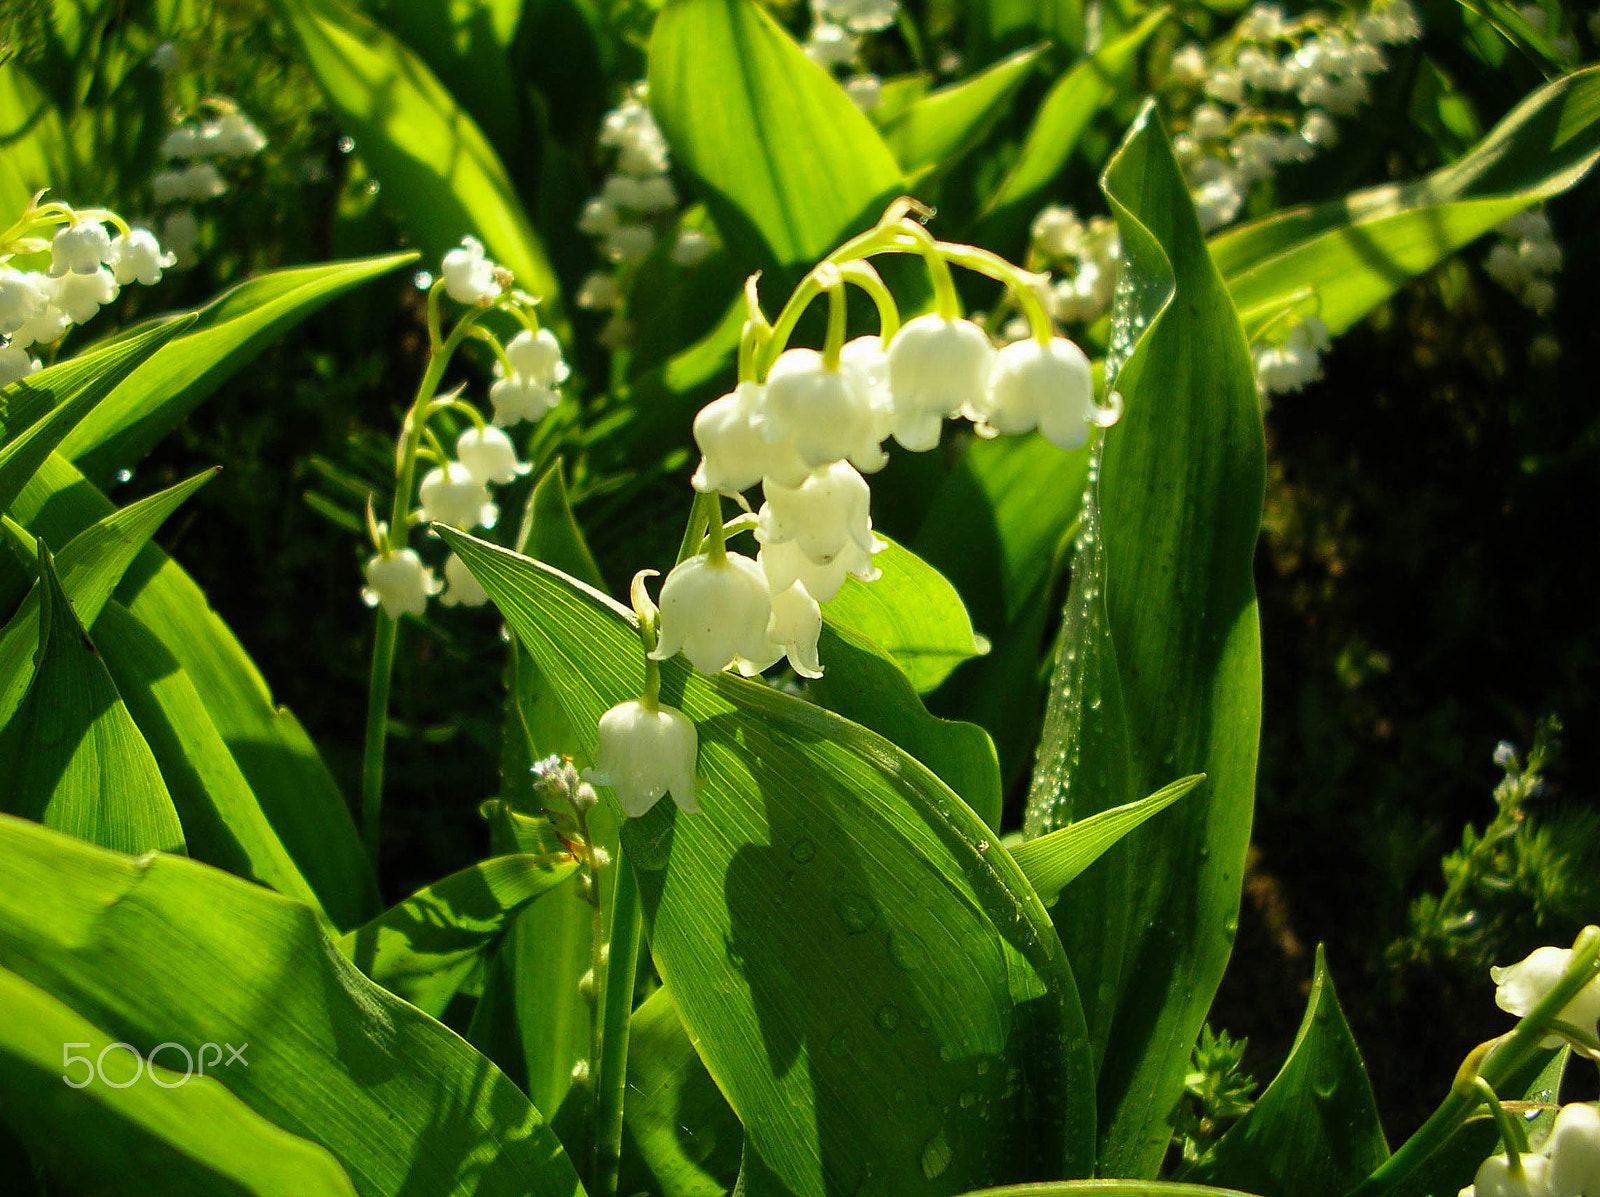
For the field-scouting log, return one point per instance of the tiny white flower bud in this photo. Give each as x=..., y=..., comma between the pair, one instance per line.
x=586, y=986
x=15, y=364
x=1049, y=387
x=165, y=58
x=865, y=91
x=236, y=136
x=451, y=495
x=1188, y=66
x=537, y=356
x=462, y=589
x=824, y=513
x=597, y=292
x=1208, y=122
x=182, y=142
x=1519, y=987
x=80, y=296
x=734, y=456
x=489, y=455
x=623, y=191
x=400, y=582
x=714, y=612
x=645, y=752
x=629, y=242
x=180, y=232
x=784, y=565
x=937, y=367
x=690, y=248
x=45, y=328
x=657, y=194
x=1574, y=1150
x=829, y=45
x=136, y=257
x=470, y=276
x=598, y=218
x=828, y=414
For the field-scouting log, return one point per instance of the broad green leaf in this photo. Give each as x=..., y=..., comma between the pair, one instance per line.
x=1353, y=253
x=273, y=752
x=35, y=151
x=1054, y=861
x=1063, y=116
x=1315, y=1131
x=464, y=43
x=39, y=411
x=153, y=1126
x=785, y=162
x=1165, y=560
x=680, y=1124
x=836, y=929
x=227, y=334
x=164, y=949
x=424, y=948
x=427, y=152
x=71, y=757
x=932, y=133
x=912, y=612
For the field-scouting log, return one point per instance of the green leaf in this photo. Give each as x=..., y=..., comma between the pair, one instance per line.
x=934, y=132
x=464, y=43
x=77, y=762
x=785, y=162
x=227, y=334
x=1159, y=671
x=1004, y=24
x=1354, y=253
x=423, y=949
x=836, y=906
x=912, y=612
x=1064, y=114
x=270, y=747
x=1315, y=1131
x=1109, y=1188
x=164, y=949
x=430, y=156
x=151, y=1126
x=1054, y=861
x=679, y=1122
x=39, y=411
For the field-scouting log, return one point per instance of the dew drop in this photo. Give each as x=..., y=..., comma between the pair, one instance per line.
x=936, y=1157
x=124, y=474
x=372, y=187
x=422, y=280
x=906, y=950
x=888, y=1017
x=346, y=144
x=802, y=851
x=855, y=911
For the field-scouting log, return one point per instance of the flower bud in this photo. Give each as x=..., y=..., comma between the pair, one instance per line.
x=734, y=456
x=1574, y=1150
x=1495, y=1178
x=784, y=565
x=79, y=296
x=469, y=276
x=826, y=413
x=79, y=248
x=537, y=356
x=824, y=513
x=690, y=248
x=645, y=752
x=489, y=455
x=714, y=612
x=629, y=242
x=400, y=582
x=451, y=495
x=796, y=625
x=1049, y=387
x=236, y=136
x=136, y=257
x=463, y=590
x=1519, y=988
x=937, y=367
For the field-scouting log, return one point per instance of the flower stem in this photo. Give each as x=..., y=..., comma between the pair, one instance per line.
x=616, y=1010
x=386, y=634
x=833, y=345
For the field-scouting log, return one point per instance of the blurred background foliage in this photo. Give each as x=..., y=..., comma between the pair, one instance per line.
x=1426, y=569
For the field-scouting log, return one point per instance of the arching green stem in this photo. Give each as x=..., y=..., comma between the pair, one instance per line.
x=869, y=280
x=1512, y=1135
x=838, y=312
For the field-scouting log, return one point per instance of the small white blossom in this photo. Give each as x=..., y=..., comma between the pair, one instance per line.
x=1188, y=66
x=181, y=142
x=1318, y=129
x=15, y=364
x=489, y=455
x=1574, y=1150
x=165, y=58
x=1208, y=122
x=597, y=292
x=451, y=495
x=598, y=218
x=784, y=565
x=136, y=257
x=47, y=327
x=865, y=91
x=829, y=45
x=80, y=296
x=827, y=414
x=236, y=136
x=734, y=455
x=462, y=589
x=180, y=233
x=1049, y=387
x=197, y=181
x=937, y=367
x=79, y=248
x=646, y=751
x=23, y=296
x=469, y=276
x=629, y=242
x=796, y=626
x=830, y=509
x=714, y=612
x=1495, y=1178
x=690, y=248
x=537, y=355
x=400, y=582
x=1519, y=988
x=858, y=16
x=657, y=194
x=1288, y=367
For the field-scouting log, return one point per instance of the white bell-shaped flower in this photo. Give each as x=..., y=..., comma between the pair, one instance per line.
x=79, y=248
x=23, y=296
x=197, y=181
x=1574, y=1150
x=734, y=456
x=796, y=625
x=714, y=612
x=597, y=218
x=629, y=243
x=646, y=751
x=80, y=296
x=236, y=136
x=15, y=363
x=451, y=495
x=830, y=509
x=657, y=194
x=136, y=257
x=690, y=248
x=937, y=367
x=1049, y=387
x=784, y=565
x=1519, y=987
x=462, y=589
x=45, y=328
x=469, y=276
x=517, y=398
x=866, y=359
x=400, y=582
x=1496, y=1179
x=537, y=356
x=826, y=413
x=489, y=455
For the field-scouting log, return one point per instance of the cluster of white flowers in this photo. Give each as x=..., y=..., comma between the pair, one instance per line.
x=1076, y=267
x=1291, y=364
x=635, y=206
x=88, y=267
x=1270, y=92
x=1567, y=1164
x=836, y=39
x=191, y=151
x=1526, y=258
x=455, y=491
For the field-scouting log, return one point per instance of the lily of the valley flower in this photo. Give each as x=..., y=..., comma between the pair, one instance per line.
x=79, y=295
x=827, y=414
x=785, y=564
x=136, y=257
x=462, y=589
x=400, y=582
x=23, y=296
x=937, y=367
x=1519, y=987
x=15, y=363
x=714, y=612
x=796, y=626
x=1049, y=387
x=451, y=495
x=824, y=513
x=469, y=275
x=489, y=455
x=1496, y=1178
x=734, y=456
x=1574, y=1150
x=646, y=750
x=79, y=248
